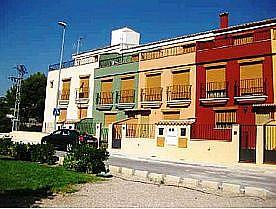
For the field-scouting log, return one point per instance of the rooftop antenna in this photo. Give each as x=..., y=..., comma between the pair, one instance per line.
x=17, y=80
x=79, y=44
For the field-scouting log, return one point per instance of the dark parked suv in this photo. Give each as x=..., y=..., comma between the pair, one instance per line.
x=64, y=139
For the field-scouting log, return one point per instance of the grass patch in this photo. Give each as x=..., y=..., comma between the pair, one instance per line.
x=26, y=177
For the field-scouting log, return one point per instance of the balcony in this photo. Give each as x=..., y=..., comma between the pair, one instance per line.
x=179, y=95
x=82, y=95
x=214, y=93
x=125, y=99
x=151, y=97
x=118, y=61
x=67, y=64
x=104, y=100
x=250, y=91
x=64, y=99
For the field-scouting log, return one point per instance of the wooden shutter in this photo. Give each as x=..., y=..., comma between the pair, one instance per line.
x=144, y=119
x=215, y=75
x=181, y=78
x=66, y=86
x=171, y=115
x=251, y=71
x=127, y=83
x=106, y=86
x=82, y=113
x=63, y=115
x=109, y=118
x=153, y=81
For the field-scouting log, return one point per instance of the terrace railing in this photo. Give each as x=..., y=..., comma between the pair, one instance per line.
x=214, y=90
x=140, y=131
x=250, y=87
x=125, y=96
x=178, y=92
x=117, y=61
x=82, y=93
x=151, y=94
x=64, y=65
x=104, y=98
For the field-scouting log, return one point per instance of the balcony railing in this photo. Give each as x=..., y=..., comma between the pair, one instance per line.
x=151, y=94
x=64, y=65
x=214, y=90
x=178, y=92
x=104, y=98
x=65, y=96
x=82, y=93
x=125, y=96
x=250, y=87
x=118, y=61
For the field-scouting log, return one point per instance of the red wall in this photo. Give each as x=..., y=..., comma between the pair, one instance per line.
x=226, y=52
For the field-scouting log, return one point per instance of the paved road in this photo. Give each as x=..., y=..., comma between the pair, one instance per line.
x=117, y=193
x=257, y=177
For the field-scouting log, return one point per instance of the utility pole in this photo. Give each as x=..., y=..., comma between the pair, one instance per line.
x=21, y=71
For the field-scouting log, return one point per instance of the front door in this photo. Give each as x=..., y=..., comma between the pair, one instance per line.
x=171, y=136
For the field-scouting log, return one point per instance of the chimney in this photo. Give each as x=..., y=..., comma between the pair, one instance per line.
x=223, y=20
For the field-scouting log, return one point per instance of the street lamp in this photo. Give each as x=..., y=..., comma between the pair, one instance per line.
x=63, y=24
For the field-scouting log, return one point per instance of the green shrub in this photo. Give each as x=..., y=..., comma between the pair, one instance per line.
x=6, y=146
x=43, y=153
x=84, y=158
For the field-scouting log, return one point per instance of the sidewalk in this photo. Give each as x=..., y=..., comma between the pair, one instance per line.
x=242, y=174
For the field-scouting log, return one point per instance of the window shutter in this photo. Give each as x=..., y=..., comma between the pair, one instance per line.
x=181, y=78
x=84, y=83
x=63, y=115
x=215, y=75
x=127, y=83
x=106, y=86
x=171, y=115
x=251, y=71
x=153, y=81
x=109, y=118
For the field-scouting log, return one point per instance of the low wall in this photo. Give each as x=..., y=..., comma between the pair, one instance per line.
x=27, y=136
x=211, y=151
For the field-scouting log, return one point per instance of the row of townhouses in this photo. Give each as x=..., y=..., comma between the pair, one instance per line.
x=209, y=96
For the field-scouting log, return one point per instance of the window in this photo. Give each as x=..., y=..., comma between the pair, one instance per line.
x=84, y=87
x=171, y=115
x=215, y=82
x=225, y=119
x=51, y=84
x=160, y=131
x=65, y=89
x=63, y=115
x=182, y=131
x=82, y=113
x=109, y=118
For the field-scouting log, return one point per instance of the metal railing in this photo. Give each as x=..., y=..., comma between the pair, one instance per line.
x=178, y=92
x=104, y=98
x=209, y=132
x=140, y=131
x=151, y=94
x=117, y=61
x=248, y=87
x=214, y=90
x=65, y=96
x=66, y=64
x=125, y=96
x=82, y=93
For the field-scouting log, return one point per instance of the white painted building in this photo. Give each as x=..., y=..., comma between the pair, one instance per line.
x=77, y=81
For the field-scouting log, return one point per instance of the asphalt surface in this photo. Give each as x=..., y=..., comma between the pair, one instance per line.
x=245, y=176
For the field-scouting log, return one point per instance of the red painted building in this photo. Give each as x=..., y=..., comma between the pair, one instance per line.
x=235, y=78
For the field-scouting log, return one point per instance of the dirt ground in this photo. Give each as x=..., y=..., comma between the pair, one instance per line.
x=117, y=192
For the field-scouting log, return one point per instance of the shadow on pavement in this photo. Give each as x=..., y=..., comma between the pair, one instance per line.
x=23, y=198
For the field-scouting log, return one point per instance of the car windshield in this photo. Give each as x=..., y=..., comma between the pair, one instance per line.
x=57, y=132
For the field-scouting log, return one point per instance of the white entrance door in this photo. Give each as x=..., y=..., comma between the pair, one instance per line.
x=171, y=137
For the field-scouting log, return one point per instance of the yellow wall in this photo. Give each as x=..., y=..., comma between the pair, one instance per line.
x=155, y=65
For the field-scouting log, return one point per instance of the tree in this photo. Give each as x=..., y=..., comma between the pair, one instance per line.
x=33, y=92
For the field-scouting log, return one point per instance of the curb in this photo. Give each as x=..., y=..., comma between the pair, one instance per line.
x=190, y=183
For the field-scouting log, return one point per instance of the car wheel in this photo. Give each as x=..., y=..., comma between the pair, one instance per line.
x=68, y=147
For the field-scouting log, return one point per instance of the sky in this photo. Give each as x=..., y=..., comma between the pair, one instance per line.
x=30, y=35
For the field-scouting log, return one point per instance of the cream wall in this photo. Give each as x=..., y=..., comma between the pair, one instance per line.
x=155, y=65
x=74, y=73
x=210, y=151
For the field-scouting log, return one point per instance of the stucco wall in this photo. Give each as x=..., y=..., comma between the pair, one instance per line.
x=165, y=66
x=74, y=73
x=196, y=151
